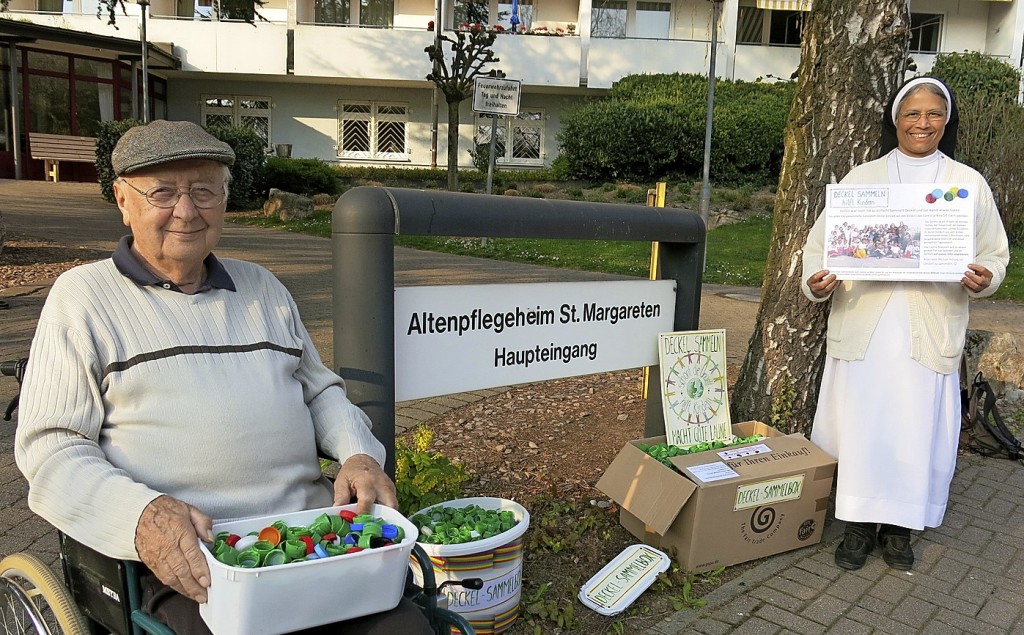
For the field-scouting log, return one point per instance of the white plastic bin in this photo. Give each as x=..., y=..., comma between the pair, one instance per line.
x=498, y=561
x=288, y=597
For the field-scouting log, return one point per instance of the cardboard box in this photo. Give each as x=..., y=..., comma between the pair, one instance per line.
x=730, y=505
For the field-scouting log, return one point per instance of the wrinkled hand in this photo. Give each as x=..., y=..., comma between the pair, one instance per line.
x=822, y=283
x=362, y=478
x=167, y=540
x=977, y=278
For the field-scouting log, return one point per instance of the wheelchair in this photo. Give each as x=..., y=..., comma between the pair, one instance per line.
x=102, y=595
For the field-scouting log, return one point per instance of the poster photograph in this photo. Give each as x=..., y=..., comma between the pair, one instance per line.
x=899, y=232
x=695, y=395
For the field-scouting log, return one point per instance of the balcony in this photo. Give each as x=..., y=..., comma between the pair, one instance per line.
x=756, y=60
x=225, y=47
x=611, y=59
x=362, y=53
x=540, y=60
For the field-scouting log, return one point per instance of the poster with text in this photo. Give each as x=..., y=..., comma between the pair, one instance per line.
x=695, y=395
x=899, y=231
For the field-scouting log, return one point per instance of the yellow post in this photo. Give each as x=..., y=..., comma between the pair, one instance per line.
x=655, y=198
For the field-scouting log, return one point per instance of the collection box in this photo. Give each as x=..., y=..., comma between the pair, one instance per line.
x=288, y=597
x=729, y=505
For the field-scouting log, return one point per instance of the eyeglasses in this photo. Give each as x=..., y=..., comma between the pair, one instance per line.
x=166, y=197
x=933, y=116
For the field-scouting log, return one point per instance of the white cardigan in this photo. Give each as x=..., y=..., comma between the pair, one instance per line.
x=938, y=310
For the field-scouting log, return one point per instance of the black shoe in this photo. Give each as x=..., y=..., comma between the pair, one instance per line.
x=858, y=542
x=896, y=551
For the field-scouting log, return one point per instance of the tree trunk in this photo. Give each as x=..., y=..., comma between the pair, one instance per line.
x=853, y=57
x=453, y=146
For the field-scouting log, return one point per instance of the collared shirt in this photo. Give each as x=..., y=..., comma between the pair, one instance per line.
x=130, y=267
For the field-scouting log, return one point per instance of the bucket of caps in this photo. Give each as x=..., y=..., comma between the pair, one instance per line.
x=477, y=538
x=277, y=574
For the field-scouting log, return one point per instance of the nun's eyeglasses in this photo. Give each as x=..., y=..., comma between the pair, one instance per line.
x=933, y=116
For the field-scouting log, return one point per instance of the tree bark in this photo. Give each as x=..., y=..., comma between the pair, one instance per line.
x=853, y=57
x=453, y=146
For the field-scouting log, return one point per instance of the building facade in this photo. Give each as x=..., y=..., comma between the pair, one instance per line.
x=344, y=81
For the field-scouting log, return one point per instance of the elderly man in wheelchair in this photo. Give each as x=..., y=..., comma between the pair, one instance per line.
x=167, y=387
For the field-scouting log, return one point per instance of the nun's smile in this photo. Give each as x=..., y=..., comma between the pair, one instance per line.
x=921, y=122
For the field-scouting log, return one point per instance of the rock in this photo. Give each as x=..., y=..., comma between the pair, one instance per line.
x=623, y=417
x=998, y=356
x=533, y=445
x=287, y=206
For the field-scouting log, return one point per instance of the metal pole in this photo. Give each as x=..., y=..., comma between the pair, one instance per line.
x=363, y=225
x=15, y=98
x=143, y=5
x=705, y=189
x=490, y=161
x=435, y=98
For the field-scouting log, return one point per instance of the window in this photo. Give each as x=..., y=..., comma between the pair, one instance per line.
x=632, y=18
x=608, y=18
x=372, y=130
x=232, y=110
x=925, y=29
x=377, y=13
x=332, y=12
x=525, y=14
x=5, y=117
x=526, y=132
x=786, y=28
x=653, y=19
x=769, y=26
x=471, y=12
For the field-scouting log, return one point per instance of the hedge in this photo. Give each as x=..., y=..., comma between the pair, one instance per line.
x=653, y=126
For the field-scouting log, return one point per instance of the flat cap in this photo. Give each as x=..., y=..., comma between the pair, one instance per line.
x=165, y=141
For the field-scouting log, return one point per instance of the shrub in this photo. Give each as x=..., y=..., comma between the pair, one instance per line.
x=973, y=73
x=301, y=176
x=106, y=138
x=653, y=126
x=991, y=141
x=247, y=171
x=991, y=131
x=424, y=478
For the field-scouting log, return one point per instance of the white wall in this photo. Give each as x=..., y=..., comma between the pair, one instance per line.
x=612, y=59
x=225, y=47
x=305, y=115
x=335, y=51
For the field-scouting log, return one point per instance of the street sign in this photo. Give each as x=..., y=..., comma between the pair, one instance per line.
x=496, y=96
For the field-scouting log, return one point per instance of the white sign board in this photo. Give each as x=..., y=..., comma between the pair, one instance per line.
x=899, y=231
x=452, y=339
x=496, y=96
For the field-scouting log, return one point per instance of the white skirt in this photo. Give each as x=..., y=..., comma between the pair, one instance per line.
x=894, y=427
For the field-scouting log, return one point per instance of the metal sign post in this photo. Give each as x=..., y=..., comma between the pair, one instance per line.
x=363, y=228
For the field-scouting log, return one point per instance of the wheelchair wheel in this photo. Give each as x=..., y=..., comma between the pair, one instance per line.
x=32, y=600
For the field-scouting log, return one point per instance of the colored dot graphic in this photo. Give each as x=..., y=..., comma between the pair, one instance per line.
x=953, y=193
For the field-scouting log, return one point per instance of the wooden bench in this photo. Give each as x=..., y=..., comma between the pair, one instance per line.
x=54, y=148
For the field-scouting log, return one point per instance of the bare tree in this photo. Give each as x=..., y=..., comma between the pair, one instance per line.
x=853, y=56
x=454, y=75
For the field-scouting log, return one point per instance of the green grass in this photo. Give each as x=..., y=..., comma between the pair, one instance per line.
x=1012, y=288
x=736, y=254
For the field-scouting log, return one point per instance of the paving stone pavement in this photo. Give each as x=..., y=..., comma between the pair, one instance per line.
x=970, y=572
